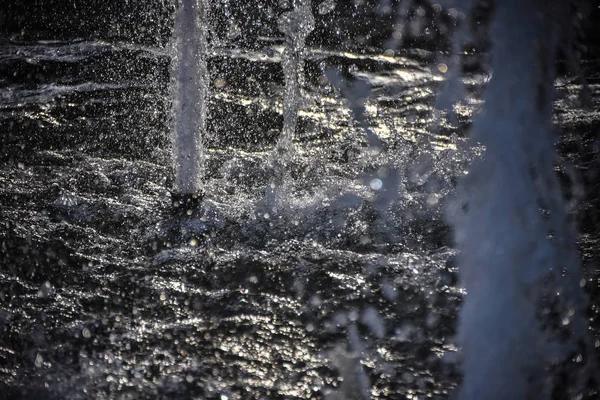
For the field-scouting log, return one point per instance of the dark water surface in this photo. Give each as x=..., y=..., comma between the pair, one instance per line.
x=109, y=290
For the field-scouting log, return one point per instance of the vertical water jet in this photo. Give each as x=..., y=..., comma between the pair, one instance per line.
x=191, y=93
x=517, y=250
x=296, y=25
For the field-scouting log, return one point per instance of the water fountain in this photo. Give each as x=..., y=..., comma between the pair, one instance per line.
x=349, y=292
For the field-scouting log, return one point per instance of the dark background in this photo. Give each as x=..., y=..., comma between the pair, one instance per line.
x=150, y=22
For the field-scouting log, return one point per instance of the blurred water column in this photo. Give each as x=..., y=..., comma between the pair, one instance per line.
x=513, y=254
x=191, y=93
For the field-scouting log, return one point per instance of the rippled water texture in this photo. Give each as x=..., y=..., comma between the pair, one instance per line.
x=110, y=288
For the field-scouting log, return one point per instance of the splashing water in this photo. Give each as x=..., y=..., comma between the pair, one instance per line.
x=190, y=94
x=345, y=290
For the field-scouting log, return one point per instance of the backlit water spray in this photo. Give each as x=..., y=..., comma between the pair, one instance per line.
x=510, y=221
x=345, y=288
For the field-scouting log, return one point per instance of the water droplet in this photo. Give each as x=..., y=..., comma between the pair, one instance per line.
x=376, y=184
x=86, y=333
x=39, y=360
x=432, y=199
x=220, y=83
x=316, y=301
x=353, y=315
x=45, y=290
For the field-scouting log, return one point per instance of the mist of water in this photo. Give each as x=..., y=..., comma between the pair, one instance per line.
x=191, y=91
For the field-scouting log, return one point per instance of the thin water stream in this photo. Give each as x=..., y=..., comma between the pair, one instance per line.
x=190, y=83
